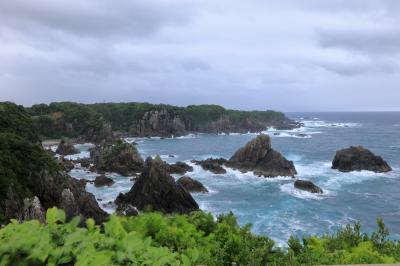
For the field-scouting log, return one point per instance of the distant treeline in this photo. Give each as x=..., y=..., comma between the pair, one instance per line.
x=74, y=119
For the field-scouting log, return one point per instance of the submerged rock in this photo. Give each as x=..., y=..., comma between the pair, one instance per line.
x=212, y=165
x=357, y=159
x=157, y=190
x=307, y=186
x=102, y=181
x=192, y=185
x=122, y=158
x=258, y=156
x=66, y=148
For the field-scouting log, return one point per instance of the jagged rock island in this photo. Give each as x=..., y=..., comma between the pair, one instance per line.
x=157, y=190
x=259, y=157
x=357, y=159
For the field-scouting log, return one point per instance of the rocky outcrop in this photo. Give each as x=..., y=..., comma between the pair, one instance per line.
x=307, y=186
x=101, y=135
x=179, y=168
x=77, y=202
x=357, y=159
x=65, y=147
x=168, y=122
x=192, y=185
x=259, y=157
x=31, y=180
x=122, y=158
x=33, y=210
x=162, y=123
x=157, y=190
x=102, y=180
x=212, y=165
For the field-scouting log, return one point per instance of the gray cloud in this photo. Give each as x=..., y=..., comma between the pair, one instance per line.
x=286, y=55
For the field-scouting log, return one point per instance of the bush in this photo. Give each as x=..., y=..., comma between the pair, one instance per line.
x=156, y=239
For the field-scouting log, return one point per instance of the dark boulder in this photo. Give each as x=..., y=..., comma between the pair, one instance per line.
x=212, y=165
x=157, y=190
x=357, y=159
x=67, y=165
x=179, y=168
x=102, y=181
x=307, y=186
x=258, y=156
x=122, y=158
x=66, y=148
x=192, y=185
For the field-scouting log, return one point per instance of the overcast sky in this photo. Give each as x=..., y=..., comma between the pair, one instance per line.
x=285, y=55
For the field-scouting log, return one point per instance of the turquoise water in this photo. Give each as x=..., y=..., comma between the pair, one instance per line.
x=273, y=206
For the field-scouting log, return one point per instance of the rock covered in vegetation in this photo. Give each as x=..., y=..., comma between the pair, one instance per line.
x=307, y=186
x=357, y=159
x=179, y=168
x=212, y=165
x=157, y=190
x=65, y=147
x=122, y=158
x=192, y=185
x=102, y=180
x=28, y=171
x=258, y=156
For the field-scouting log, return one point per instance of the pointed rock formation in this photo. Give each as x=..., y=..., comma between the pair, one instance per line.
x=157, y=190
x=259, y=157
x=357, y=159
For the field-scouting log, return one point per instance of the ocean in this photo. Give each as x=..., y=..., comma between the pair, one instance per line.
x=272, y=205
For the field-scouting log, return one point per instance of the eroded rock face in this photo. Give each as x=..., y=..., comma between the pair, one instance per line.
x=212, y=165
x=157, y=190
x=66, y=148
x=102, y=181
x=307, y=186
x=192, y=185
x=258, y=156
x=33, y=210
x=76, y=201
x=357, y=159
x=160, y=123
x=67, y=165
x=122, y=158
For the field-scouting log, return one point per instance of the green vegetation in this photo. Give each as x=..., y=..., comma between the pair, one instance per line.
x=195, y=239
x=73, y=120
x=65, y=119
x=22, y=159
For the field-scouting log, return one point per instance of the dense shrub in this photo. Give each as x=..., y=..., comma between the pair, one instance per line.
x=195, y=239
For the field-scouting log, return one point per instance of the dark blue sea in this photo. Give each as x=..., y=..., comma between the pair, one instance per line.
x=272, y=205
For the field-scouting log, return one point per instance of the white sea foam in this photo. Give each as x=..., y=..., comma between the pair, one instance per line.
x=320, y=123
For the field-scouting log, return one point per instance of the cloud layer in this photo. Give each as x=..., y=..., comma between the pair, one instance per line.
x=285, y=55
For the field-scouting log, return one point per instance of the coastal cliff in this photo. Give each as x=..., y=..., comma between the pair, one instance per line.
x=99, y=122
